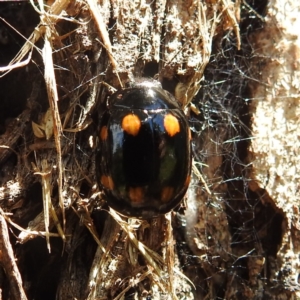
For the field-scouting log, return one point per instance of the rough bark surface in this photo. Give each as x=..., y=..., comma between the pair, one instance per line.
x=274, y=151
x=235, y=235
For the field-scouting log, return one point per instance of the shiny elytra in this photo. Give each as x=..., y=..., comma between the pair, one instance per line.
x=143, y=161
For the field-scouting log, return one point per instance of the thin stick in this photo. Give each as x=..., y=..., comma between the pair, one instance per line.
x=8, y=262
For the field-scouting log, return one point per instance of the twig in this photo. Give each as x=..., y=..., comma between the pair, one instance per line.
x=8, y=262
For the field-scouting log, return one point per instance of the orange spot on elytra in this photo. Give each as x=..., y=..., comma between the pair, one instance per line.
x=167, y=193
x=107, y=182
x=171, y=125
x=136, y=194
x=131, y=124
x=103, y=133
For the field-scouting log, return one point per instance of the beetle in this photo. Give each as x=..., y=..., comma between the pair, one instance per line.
x=143, y=160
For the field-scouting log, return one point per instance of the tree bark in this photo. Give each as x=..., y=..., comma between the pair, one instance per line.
x=274, y=152
x=235, y=235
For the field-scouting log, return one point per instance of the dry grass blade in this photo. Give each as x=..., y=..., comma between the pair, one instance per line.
x=46, y=179
x=48, y=206
x=101, y=272
x=55, y=10
x=16, y=65
x=229, y=11
x=53, y=99
x=201, y=179
x=27, y=48
x=133, y=283
x=102, y=30
x=104, y=34
x=185, y=91
x=89, y=224
x=27, y=233
x=145, y=251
